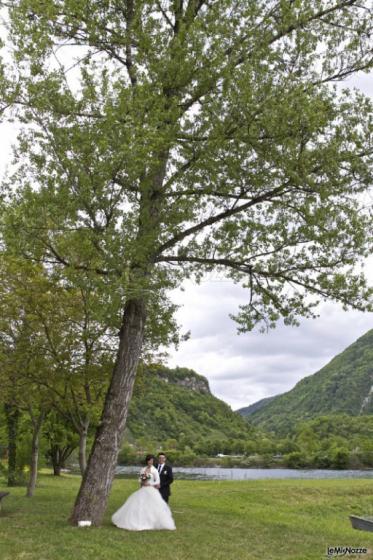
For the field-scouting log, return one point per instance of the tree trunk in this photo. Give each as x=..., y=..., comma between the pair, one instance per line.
x=98, y=477
x=83, y=434
x=58, y=456
x=56, y=469
x=37, y=424
x=12, y=417
x=54, y=454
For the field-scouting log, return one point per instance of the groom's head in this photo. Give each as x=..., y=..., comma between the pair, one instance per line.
x=161, y=458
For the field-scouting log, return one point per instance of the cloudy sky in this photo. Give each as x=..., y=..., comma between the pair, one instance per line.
x=242, y=369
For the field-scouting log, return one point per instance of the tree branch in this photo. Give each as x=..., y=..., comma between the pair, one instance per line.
x=129, y=13
x=208, y=87
x=164, y=14
x=178, y=14
x=269, y=195
x=66, y=263
x=193, y=8
x=236, y=265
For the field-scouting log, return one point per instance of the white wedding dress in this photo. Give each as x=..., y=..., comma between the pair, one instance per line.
x=145, y=509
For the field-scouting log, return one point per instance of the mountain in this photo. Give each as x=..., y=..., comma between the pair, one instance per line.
x=248, y=410
x=344, y=385
x=177, y=404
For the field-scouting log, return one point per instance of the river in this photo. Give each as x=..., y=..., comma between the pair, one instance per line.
x=218, y=473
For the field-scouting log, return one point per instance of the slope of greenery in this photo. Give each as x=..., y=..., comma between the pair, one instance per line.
x=177, y=404
x=248, y=410
x=338, y=441
x=342, y=386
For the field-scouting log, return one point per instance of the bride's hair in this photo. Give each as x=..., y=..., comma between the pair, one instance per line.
x=148, y=457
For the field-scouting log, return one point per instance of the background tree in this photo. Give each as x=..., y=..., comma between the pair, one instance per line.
x=198, y=136
x=81, y=350
x=62, y=440
x=68, y=351
x=22, y=357
x=13, y=335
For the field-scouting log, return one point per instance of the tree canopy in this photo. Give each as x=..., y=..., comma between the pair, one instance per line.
x=228, y=106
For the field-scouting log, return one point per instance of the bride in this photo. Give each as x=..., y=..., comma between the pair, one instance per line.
x=145, y=509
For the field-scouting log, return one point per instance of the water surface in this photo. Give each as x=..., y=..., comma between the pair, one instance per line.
x=218, y=473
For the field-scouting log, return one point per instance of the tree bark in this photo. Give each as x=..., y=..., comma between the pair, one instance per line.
x=98, y=477
x=83, y=434
x=37, y=424
x=12, y=417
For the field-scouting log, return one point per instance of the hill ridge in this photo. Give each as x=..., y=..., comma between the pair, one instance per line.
x=177, y=404
x=343, y=385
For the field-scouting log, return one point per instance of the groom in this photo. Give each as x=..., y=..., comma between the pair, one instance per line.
x=165, y=475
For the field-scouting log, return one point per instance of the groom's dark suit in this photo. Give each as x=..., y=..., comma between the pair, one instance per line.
x=166, y=478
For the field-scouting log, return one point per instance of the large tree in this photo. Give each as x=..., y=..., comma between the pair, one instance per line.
x=164, y=139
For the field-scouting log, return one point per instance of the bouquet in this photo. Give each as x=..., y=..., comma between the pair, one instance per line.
x=144, y=477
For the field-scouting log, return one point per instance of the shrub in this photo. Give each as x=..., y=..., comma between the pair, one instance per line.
x=296, y=460
x=340, y=458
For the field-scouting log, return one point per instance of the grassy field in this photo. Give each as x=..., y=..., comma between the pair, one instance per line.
x=243, y=520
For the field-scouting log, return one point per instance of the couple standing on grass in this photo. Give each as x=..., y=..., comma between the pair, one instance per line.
x=147, y=508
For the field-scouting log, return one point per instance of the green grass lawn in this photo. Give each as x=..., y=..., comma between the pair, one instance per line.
x=215, y=520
